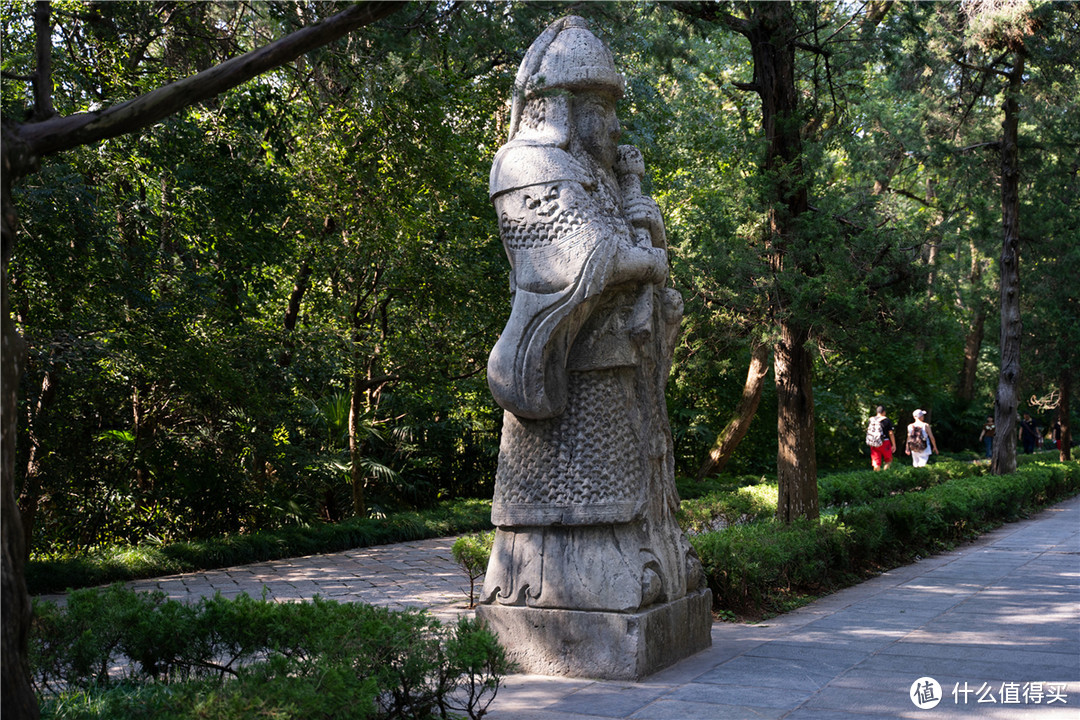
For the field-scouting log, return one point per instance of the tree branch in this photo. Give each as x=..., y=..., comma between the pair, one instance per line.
x=908, y=195
x=808, y=47
x=711, y=12
x=748, y=87
x=987, y=69
x=995, y=144
x=64, y=133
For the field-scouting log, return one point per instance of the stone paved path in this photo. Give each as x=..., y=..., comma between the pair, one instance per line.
x=419, y=574
x=996, y=618
x=999, y=618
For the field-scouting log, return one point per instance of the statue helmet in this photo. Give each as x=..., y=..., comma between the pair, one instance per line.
x=566, y=56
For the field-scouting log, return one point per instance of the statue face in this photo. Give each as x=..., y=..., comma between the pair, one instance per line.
x=597, y=126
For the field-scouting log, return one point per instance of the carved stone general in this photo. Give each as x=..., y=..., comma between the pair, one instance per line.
x=590, y=575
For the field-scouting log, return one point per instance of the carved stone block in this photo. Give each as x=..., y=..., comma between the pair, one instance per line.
x=603, y=645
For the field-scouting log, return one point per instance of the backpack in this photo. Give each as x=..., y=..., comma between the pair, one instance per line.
x=916, y=438
x=874, y=436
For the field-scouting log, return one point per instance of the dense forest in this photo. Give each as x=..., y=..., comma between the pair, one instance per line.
x=275, y=306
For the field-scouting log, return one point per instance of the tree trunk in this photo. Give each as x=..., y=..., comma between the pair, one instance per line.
x=303, y=282
x=16, y=694
x=356, y=444
x=772, y=34
x=972, y=345
x=796, y=460
x=965, y=387
x=31, y=490
x=357, y=397
x=1065, y=389
x=736, y=428
x=1006, y=402
x=292, y=312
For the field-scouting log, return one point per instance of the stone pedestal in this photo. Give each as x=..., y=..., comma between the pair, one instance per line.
x=603, y=645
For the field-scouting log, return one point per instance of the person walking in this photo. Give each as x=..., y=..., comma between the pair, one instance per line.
x=920, y=440
x=1029, y=435
x=987, y=436
x=881, y=438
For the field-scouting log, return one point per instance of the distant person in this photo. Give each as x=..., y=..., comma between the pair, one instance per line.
x=920, y=440
x=881, y=438
x=1029, y=434
x=987, y=435
x=1057, y=434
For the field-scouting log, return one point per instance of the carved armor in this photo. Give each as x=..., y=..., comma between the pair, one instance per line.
x=584, y=493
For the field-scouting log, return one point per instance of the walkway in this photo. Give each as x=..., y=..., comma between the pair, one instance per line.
x=995, y=623
x=988, y=622
x=420, y=574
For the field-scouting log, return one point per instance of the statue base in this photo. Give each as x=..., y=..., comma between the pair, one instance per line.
x=602, y=645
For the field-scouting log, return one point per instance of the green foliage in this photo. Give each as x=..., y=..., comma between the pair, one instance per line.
x=157, y=268
x=758, y=568
x=723, y=508
x=166, y=400
x=472, y=552
x=862, y=486
x=765, y=567
x=290, y=660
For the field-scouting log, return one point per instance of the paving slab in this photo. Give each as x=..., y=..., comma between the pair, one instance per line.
x=995, y=619
x=413, y=575
x=1000, y=616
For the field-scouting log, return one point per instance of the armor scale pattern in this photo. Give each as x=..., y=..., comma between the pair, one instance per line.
x=580, y=460
x=543, y=218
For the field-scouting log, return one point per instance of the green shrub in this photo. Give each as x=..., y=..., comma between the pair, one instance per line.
x=862, y=486
x=245, y=657
x=757, y=568
x=764, y=567
x=472, y=553
x=723, y=508
x=690, y=488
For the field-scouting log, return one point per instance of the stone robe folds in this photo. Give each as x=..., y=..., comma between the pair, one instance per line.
x=580, y=368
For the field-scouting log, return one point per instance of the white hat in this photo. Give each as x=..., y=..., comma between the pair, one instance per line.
x=919, y=414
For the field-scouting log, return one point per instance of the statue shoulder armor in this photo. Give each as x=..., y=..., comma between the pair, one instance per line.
x=521, y=166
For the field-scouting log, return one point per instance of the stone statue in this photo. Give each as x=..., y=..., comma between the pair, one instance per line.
x=585, y=496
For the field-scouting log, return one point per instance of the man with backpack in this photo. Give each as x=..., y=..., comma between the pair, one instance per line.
x=881, y=439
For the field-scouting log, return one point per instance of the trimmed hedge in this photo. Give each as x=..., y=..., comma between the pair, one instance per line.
x=718, y=504
x=722, y=508
x=133, y=563
x=863, y=486
x=245, y=658
x=764, y=568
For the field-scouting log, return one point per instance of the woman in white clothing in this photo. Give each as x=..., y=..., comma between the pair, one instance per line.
x=920, y=440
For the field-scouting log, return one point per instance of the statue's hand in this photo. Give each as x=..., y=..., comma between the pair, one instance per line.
x=646, y=265
x=643, y=212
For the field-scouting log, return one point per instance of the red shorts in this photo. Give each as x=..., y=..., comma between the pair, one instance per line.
x=881, y=454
